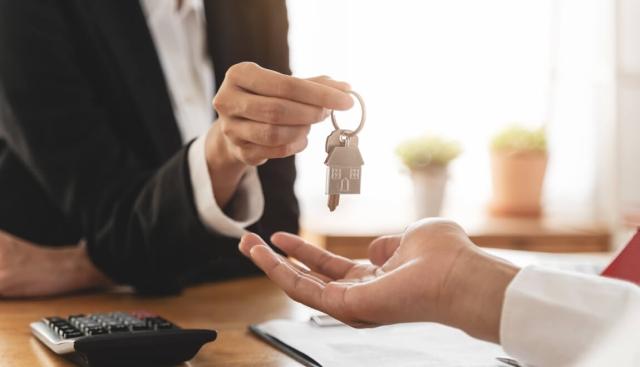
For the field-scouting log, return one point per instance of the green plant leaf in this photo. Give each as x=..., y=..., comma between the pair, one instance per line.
x=518, y=138
x=427, y=150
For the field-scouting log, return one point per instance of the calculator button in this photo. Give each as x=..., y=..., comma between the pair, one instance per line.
x=110, y=324
x=95, y=331
x=158, y=323
x=55, y=321
x=64, y=329
x=72, y=334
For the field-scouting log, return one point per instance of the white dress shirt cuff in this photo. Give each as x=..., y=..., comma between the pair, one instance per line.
x=557, y=318
x=245, y=208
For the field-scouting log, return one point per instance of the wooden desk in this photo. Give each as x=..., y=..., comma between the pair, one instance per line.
x=227, y=307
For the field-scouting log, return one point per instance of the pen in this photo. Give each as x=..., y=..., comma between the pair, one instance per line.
x=510, y=361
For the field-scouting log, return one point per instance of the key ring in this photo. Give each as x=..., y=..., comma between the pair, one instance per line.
x=350, y=133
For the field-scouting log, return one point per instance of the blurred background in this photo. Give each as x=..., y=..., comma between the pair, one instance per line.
x=465, y=70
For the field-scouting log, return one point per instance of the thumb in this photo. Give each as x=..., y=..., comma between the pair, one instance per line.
x=382, y=248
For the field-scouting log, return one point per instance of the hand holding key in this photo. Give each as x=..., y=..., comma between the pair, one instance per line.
x=264, y=114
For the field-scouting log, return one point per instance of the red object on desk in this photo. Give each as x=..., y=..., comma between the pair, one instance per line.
x=626, y=265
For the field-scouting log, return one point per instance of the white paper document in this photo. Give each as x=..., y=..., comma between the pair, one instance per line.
x=415, y=344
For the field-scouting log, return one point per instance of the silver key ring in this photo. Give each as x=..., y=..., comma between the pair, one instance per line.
x=362, y=119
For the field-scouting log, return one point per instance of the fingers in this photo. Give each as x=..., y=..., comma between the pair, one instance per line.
x=241, y=130
x=297, y=285
x=257, y=80
x=264, y=114
x=317, y=259
x=382, y=248
x=356, y=303
x=250, y=240
x=267, y=109
x=323, y=79
x=255, y=155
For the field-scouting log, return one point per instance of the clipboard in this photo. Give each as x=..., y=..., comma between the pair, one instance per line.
x=390, y=346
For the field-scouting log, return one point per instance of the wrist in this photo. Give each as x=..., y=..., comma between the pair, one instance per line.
x=219, y=155
x=224, y=168
x=82, y=272
x=475, y=294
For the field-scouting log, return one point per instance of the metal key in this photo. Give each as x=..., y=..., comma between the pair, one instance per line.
x=344, y=165
x=344, y=161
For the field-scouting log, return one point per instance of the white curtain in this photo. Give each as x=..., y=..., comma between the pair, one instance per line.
x=627, y=133
x=463, y=69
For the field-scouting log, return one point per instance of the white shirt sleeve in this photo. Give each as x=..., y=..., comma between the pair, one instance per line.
x=555, y=318
x=245, y=208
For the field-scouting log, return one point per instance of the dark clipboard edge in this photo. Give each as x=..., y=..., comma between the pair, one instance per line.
x=283, y=347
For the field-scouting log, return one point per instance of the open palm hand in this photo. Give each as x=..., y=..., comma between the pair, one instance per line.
x=406, y=279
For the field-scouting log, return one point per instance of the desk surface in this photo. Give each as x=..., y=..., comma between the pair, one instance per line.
x=227, y=307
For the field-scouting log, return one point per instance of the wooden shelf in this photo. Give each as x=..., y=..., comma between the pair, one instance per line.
x=551, y=233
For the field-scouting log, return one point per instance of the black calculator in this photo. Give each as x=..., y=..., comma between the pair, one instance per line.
x=138, y=338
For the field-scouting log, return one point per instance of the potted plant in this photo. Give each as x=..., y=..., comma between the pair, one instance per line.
x=427, y=159
x=518, y=165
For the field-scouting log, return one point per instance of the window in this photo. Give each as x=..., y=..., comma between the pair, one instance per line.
x=463, y=69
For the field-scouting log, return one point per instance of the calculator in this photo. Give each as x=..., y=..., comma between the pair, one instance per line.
x=137, y=338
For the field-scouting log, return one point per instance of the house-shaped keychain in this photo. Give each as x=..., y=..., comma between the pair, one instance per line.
x=344, y=165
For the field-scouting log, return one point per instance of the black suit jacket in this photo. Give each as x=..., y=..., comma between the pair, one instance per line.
x=89, y=146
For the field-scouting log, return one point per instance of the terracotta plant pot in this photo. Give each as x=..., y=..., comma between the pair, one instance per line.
x=429, y=184
x=517, y=182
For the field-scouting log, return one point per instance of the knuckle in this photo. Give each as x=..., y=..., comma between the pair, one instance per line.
x=232, y=73
x=282, y=151
x=272, y=134
x=435, y=227
x=221, y=104
x=275, y=112
x=240, y=68
x=285, y=87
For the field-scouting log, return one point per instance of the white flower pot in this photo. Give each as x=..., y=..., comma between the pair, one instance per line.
x=429, y=184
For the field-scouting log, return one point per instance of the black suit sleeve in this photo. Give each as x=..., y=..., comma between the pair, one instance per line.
x=139, y=220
